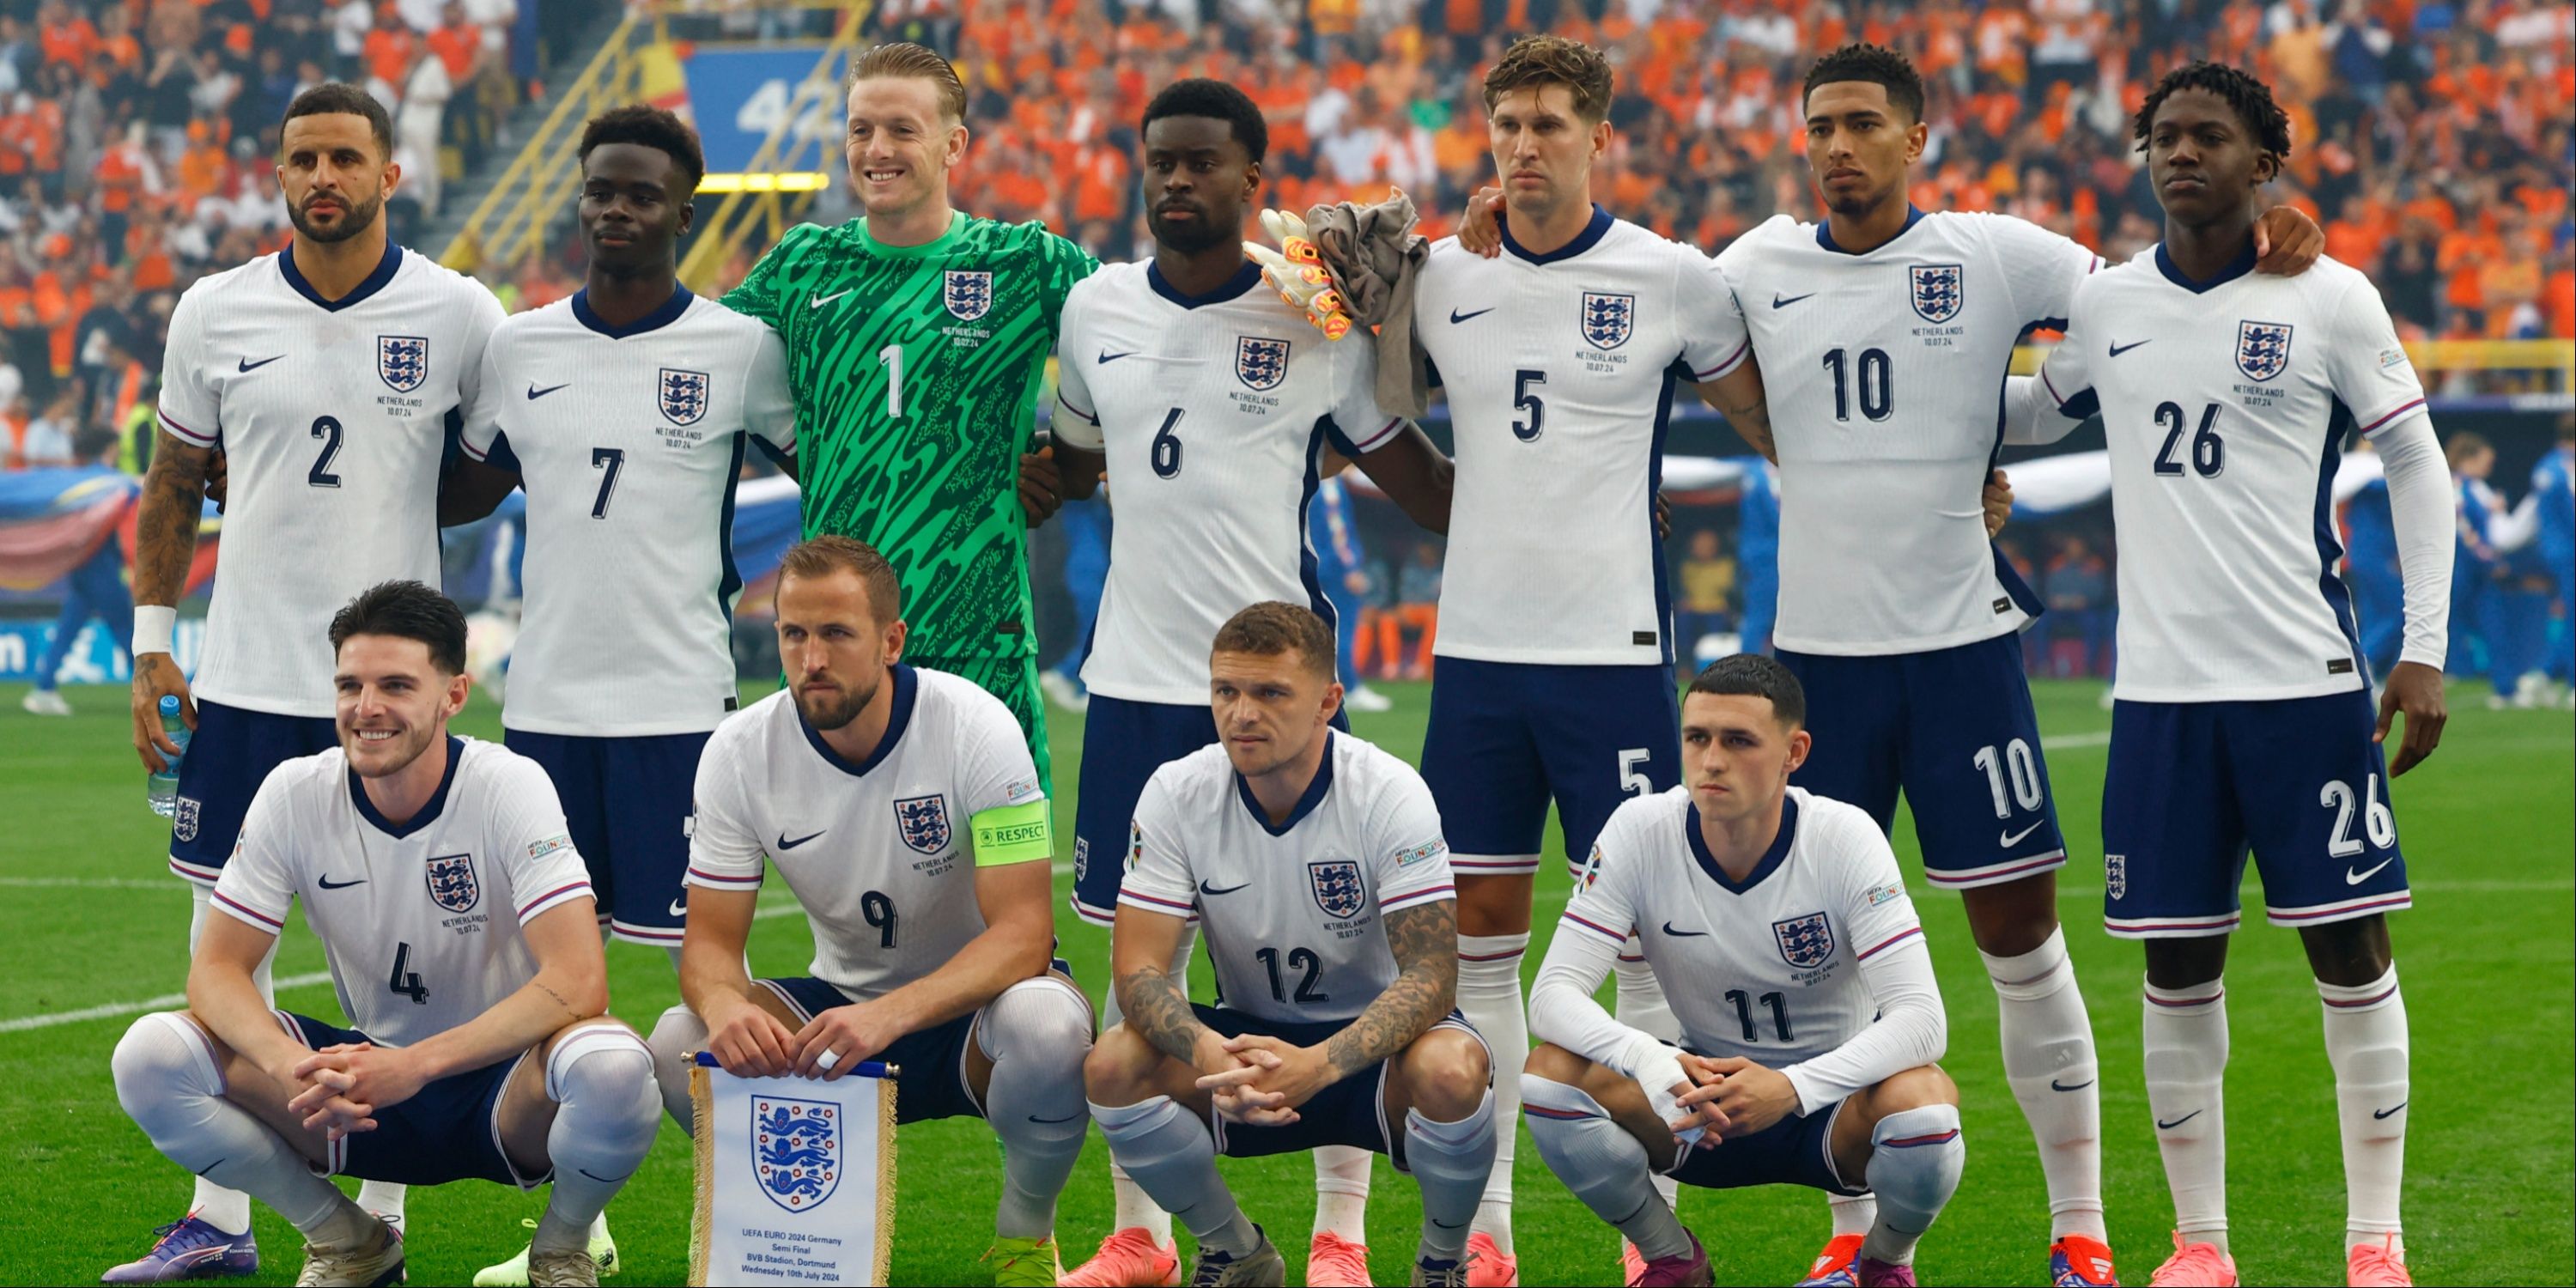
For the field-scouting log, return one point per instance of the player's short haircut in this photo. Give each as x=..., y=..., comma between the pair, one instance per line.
x=406, y=610
x=2251, y=98
x=2463, y=445
x=823, y=556
x=1215, y=100
x=1876, y=64
x=902, y=58
x=1272, y=627
x=332, y=98
x=1754, y=675
x=651, y=127
x=1538, y=61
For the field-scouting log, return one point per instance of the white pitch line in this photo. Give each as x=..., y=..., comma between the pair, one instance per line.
x=2097, y=738
x=172, y=884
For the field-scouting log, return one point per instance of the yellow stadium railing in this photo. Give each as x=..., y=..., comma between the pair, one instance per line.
x=512, y=217
x=2547, y=359
x=777, y=187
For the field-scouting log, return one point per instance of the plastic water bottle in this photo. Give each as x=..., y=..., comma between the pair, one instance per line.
x=161, y=790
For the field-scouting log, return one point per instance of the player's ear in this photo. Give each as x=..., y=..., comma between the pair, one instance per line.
x=2267, y=166
x=459, y=687
x=1800, y=743
x=895, y=635
x=688, y=203
x=1917, y=137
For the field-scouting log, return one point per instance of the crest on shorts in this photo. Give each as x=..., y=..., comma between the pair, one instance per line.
x=1805, y=942
x=922, y=821
x=452, y=884
x=1337, y=888
x=1081, y=860
x=968, y=295
x=684, y=395
x=2262, y=348
x=183, y=825
x=796, y=1150
x=1936, y=290
x=1608, y=320
x=1259, y=363
x=2115, y=875
x=403, y=361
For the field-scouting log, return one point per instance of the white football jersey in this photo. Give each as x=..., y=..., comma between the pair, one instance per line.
x=1293, y=915
x=332, y=418
x=628, y=441
x=1884, y=374
x=420, y=923
x=880, y=853
x=2225, y=429
x=1768, y=968
x=1560, y=370
x=1214, y=413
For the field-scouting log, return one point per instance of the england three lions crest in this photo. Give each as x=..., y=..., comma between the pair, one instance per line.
x=2262, y=349
x=452, y=884
x=1608, y=320
x=796, y=1150
x=402, y=361
x=1338, y=890
x=1805, y=942
x=1937, y=290
x=683, y=395
x=1260, y=364
x=183, y=825
x=922, y=821
x=968, y=295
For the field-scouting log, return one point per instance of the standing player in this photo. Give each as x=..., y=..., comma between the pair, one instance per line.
x=1316, y=865
x=1555, y=677
x=916, y=337
x=456, y=918
x=2243, y=711
x=2553, y=484
x=1214, y=406
x=327, y=374
x=1886, y=333
x=905, y=815
x=625, y=411
x=1815, y=1068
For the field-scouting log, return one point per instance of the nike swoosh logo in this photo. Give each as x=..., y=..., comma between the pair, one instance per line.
x=1779, y=301
x=1682, y=934
x=329, y=884
x=2014, y=838
x=2118, y=349
x=1205, y=888
x=535, y=393
x=785, y=844
x=2382, y=1113
x=1106, y=358
x=821, y=300
x=248, y=366
x=1456, y=317
x=1066, y=1119
x=679, y=907
x=2162, y=1125
x=2352, y=878
x=2055, y=1085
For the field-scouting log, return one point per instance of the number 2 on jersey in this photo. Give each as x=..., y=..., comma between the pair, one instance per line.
x=326, y=428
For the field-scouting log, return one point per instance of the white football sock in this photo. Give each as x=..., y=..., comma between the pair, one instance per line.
x=1133, y=1208
x=384, y=1199
x=1641, y=1006
x=1342, y=1191
x=1451, y=1162
x=675, y=1035
x=1037, y=1033
x=2186, y=1064
x=1602, y=1164
x=2049, y=1063
x=1914, y=1162
x=1489, y=995
x=1852, y=1215
x=167, y=1081
x=2366, y=1044
x=1173, y=1159
x=607, y=1110
x=225, y=1209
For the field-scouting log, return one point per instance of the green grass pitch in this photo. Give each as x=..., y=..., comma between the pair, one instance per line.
x=92, y=922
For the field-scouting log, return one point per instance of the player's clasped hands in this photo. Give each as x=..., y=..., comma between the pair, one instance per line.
x=348, y=1083
x=1260, y=1080
x=1736, y=1096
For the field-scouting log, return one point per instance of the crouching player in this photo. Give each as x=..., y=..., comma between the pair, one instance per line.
x=1776, y=922
x=458, y=921
x=1314, y=865
x=903, y=809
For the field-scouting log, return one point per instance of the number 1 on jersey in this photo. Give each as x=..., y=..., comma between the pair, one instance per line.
x=891, y=357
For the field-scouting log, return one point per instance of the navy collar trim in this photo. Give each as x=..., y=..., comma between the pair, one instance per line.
x=1825, y=233
x=1771, y=858
x=1235, y=287
x=1591, y=236
x=907, y=689
x=376, y=280
x=1305, y=804
x=428, y=813
x=667, y=313
x=2236, y=268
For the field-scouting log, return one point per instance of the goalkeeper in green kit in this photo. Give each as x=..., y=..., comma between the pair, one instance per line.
x=916, y=337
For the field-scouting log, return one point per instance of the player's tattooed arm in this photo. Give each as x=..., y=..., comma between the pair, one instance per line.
x=1158, y=1009
x=1738, y=396
x=1424, y=939
x=165, y=525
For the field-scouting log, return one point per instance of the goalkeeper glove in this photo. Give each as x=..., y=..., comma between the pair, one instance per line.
x=1296, y=271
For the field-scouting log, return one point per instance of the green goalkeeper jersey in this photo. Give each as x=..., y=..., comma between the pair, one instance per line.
x=916, y=370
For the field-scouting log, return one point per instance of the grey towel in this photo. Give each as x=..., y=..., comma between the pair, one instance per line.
x=1373, y=253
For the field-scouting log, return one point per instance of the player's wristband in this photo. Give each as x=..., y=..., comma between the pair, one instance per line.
x=154, y=624
x=1013, y=834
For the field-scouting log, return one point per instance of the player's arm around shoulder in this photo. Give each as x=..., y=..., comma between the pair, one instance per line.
x=1718, y=347
x=1075, y=445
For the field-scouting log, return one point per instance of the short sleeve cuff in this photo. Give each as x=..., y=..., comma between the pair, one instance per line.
x=249, y=915
x=1385, y=434
x=1401, y=900
x=716, y=875
x=1909, y=935
x=2374, y=426
x=1157, y=902
x=553, y=898
x=1617, y=937
x=1731, y=362
x=183, y=433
